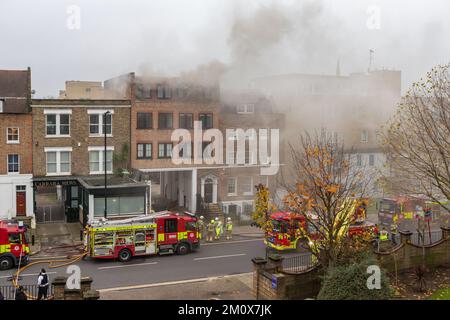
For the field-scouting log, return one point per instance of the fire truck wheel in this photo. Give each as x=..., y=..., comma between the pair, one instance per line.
x=183, y=248
x=6, y=263
x=124, y=255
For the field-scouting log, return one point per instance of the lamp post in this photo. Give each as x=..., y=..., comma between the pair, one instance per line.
x=104, y=165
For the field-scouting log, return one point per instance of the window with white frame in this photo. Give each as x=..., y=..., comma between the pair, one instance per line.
x=12, y=135
x=164, y=150
x=97, y=160
x=1, y=106
x=246, y=108
x=247, y=186
x=359, y=160
x=98, y=124
x=144, y=150
x=371, y=159
x=232, y=186
x=58, y=161
x=57, y=123
x=13, y=163
x=364, y=136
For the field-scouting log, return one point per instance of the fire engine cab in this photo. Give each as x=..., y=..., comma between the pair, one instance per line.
x=14, y=248
x=159, y=233
x=285, y=228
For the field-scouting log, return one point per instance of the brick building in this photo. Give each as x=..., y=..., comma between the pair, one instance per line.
x=159, y=106
x=15, y=145
x=69, y=160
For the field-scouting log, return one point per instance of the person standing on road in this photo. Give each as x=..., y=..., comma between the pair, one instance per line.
x=394, y=230
x=229, y=228
x=201, y=227
x=218, y=228
x=421, y=229
x=42, y=284
x=210, y=231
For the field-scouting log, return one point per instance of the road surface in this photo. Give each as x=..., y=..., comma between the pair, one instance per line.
x=213, y=259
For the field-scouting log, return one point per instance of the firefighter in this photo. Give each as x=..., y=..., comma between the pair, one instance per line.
x=210, y=231
x=394, y=230
x=229, y=228
x=383, y=237
x=218, y=228
x=201, y=227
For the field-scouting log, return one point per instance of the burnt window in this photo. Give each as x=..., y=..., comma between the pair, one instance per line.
x=206, y=120
x=165, y=121
x=143, y=91
x=163, y=91
x=186, y=121
x=144, y=120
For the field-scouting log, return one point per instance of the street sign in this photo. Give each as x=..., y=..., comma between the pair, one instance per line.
x=274, y=282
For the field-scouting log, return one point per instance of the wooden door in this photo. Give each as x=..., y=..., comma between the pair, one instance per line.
x=21, y=203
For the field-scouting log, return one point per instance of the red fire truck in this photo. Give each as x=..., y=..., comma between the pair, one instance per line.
x=158, y=233
x=285, y=232
x=14, y=247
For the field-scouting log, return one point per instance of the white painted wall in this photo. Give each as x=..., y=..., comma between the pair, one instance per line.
x=8, y=185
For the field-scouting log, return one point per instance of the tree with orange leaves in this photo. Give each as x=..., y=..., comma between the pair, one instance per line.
x=326, y=189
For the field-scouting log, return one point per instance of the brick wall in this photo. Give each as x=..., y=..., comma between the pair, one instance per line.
x=79, y=138
x=307, y=284
x=23, y=149
x=156, y=136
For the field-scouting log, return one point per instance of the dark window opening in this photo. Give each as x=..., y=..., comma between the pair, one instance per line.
x=144, y=120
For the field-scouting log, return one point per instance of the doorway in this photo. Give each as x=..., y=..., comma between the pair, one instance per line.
x=21, y=201
x=208, y=191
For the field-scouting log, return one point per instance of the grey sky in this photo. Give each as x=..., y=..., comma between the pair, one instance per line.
x=168, y=36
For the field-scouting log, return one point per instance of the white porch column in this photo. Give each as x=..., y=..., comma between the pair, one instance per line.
x=194, y=191
x=91, y=207
x=214, y=199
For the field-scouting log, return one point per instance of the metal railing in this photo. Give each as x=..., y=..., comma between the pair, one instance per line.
x=427, y=238
x=298, y=263
x=9, y=292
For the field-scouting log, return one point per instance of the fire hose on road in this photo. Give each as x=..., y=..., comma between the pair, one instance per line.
x=52, y=264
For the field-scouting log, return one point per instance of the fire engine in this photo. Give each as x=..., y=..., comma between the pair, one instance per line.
x=14, y=249
x=285, y=228
x=159, y=233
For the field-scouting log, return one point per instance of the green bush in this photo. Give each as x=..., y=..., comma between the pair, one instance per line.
x=349, y=282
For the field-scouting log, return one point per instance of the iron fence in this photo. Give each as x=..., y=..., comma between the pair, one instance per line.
x=9, y=292
x=298, y=263
x=426, y=238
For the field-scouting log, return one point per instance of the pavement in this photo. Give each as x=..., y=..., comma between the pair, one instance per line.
x=231, y=287
x=56, y=239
